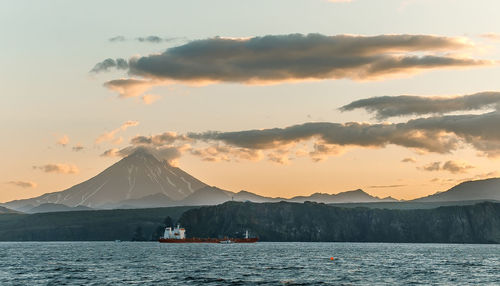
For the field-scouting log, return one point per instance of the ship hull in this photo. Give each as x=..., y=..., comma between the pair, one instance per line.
x=208, y=240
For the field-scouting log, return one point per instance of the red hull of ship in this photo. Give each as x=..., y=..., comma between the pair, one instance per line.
x=208, y=240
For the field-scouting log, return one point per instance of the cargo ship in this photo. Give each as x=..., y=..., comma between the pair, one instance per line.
x=178, y=235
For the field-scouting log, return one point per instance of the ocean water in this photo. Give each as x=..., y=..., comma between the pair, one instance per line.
x=150, y=263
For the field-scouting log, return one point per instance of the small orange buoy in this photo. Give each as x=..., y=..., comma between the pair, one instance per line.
x=331, y=258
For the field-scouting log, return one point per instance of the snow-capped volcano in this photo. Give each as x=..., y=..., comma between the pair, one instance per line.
x=136, y=176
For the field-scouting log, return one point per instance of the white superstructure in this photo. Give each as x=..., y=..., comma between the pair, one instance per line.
x=175, y=233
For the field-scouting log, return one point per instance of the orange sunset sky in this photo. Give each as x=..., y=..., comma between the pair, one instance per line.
x=282, y=98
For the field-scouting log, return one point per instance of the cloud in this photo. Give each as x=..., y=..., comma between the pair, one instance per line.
x=180, y=142
x=23, y=184
x=129, y=123
x=491, y=36
x=321, y=151
x=150, y=98
x=295, y=57
x=279, y=156
x=480, y=131
x=117, y=39
x=320, y=140
x=149, y=39
x=110, y=136
x=456, y=167
x=130, y=87
x=341, y=135
x=217, y=153
x=113, y=152
x=404, y=105
x=77, y=148
x=434, y=166
x=167, y=153
x=166, y=138
x=107, y=64
x=58, y=168
x=63, y=141
x=385, y=186
x=453, y=167
x=439, y=134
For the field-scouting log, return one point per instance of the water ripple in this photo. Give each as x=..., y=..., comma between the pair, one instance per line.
x=108, y=263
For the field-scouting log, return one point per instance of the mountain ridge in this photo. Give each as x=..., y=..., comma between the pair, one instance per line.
x=4, y=210
x=141, y=180
x=485, y=189
x=133, y=177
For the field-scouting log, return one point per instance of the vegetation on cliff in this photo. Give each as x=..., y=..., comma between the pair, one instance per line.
x=479, y=223
x=283, y=221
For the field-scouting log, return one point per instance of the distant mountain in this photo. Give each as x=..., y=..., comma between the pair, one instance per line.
x=488, y=189
x=243, y=196
x=4, y=210
x=356, y=196
x=52, y=208
x=207, y=196
x=142, y=181
x=211, y=195
x=136, y=176
x=150, y=201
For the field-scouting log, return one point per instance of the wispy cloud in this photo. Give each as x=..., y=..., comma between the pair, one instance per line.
x=167, y=153
x=434, y=166
x=491, y=36
x=295, y=57
x=454, y=167
x=23, y=184
x=107, y=64
x=148, y=39
x=58, y=168
x=385, y=186
x=78, y=147
x=110, y=136
x=129, y=87
x=113, y=152
x=150, y=98
x=409, y=160
x=117, y=39
x=63, y=141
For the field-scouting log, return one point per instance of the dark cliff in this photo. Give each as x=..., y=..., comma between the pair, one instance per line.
x=284, y=221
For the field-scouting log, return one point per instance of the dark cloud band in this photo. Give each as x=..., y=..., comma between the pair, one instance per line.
x=296, y=56
x=279, y=58
x=438, y=134
x=389, y=106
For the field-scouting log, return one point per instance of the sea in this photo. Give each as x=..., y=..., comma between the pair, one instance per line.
x=262, y=263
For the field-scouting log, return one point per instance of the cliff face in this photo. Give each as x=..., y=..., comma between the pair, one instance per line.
x=283, y=221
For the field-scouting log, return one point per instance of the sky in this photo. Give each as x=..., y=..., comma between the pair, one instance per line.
x=281, y=98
